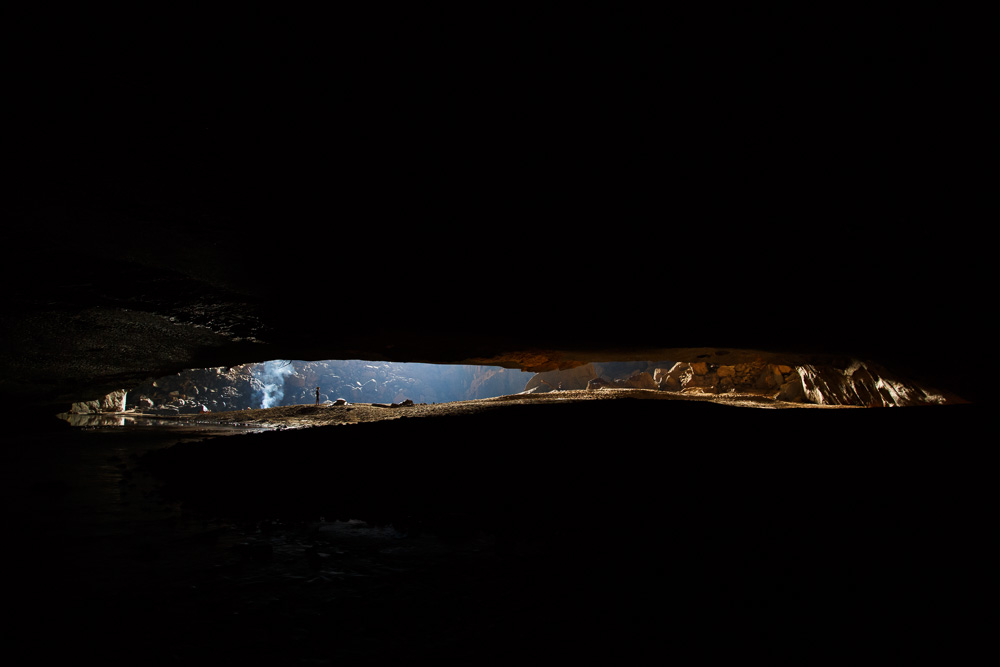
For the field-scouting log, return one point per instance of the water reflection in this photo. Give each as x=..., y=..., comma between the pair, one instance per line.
x=103, y=419
x=140, y=422
x=113, y=419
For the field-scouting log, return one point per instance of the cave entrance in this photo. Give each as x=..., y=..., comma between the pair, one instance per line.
x=232, y=393
x=282, y=382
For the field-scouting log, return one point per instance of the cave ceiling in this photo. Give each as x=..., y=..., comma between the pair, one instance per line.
x=525, y=215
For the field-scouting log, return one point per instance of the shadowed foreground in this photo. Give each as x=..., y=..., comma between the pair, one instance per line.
x=612, y=530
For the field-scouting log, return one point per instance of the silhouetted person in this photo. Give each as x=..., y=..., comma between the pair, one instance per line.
x=317, y=395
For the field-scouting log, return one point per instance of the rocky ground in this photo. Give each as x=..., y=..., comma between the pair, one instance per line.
x=299, y=416
x=610, y=524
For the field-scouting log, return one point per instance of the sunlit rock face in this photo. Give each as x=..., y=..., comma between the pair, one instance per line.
x=859, y=384
x=112, y=402
x=194, y=391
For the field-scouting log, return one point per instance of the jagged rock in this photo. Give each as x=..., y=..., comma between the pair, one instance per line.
x=599, y=383
x=665, y=381
x=113, y=402
x=861, y=384
x=866, y=387
x=707, y=379
x=676, y=378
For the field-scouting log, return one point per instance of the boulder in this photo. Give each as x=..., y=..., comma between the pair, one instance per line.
x=726, y=372
x=573, y=378
x=676, y=378
x=701, y=377
x=114, y=402
x=640, y=380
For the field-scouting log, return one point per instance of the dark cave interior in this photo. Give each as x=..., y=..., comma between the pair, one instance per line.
x=248, y=193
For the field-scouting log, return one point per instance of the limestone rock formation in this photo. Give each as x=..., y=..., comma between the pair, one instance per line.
x=862, y=384
x=674, y=378
x=113, y=402
x=207, y=389
x=858, y=384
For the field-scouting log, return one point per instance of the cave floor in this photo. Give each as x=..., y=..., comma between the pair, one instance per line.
x=495, y=531
x=298, y=416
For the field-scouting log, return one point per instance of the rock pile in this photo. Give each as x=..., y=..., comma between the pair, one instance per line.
x=628, y=375
x=197, y=391
x=756, y=377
